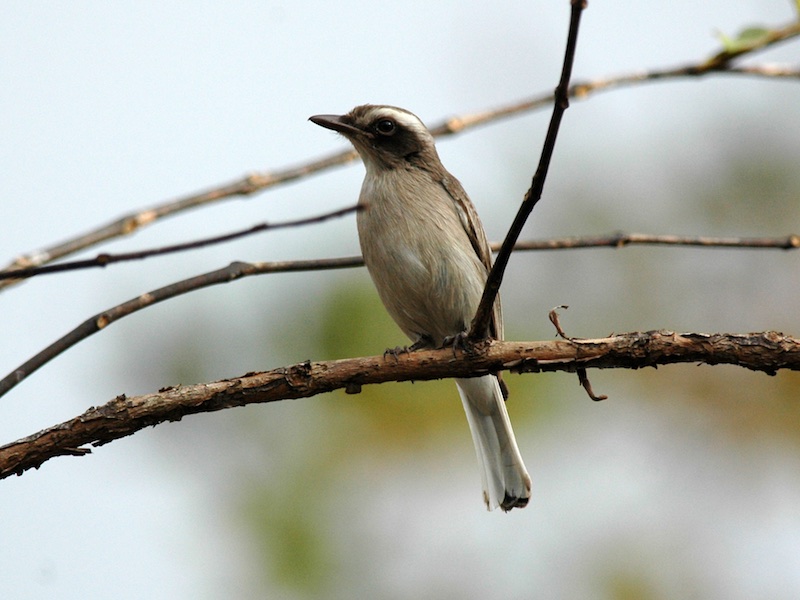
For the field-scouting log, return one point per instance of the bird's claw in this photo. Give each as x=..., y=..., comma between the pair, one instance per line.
x=458, y=341
x=395, y=352
x=422, y=342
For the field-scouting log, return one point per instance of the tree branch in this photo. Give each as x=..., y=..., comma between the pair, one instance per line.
x=480, y=323
x=92, y=325
x=238, y=270
x=258, y=182
x=129, y=223
x=611, y=240
x=105, y=259
x=621, y=239
x=767, y=352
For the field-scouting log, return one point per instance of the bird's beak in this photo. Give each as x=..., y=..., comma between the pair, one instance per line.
x=337, y=123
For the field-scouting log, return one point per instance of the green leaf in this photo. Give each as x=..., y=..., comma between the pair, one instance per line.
x=748, y=38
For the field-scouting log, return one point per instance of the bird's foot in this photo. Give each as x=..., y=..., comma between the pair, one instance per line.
x=459, y=341
x=395, y=352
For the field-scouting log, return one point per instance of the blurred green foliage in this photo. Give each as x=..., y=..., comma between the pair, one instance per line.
x=382, y=424
x=763, y=191
x=311, y=470
x=287, y=513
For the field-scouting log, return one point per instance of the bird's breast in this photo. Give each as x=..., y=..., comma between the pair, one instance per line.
x=419, y=255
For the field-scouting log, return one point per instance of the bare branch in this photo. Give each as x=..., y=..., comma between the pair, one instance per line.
x=238, y=270
x=92, y=325
x=132, y=222
x=612, y=240
x=774, y=71
x=620, y=240
x=767, y=352
x=102, y=260
x=480, y=323
x=259, y=182
x=740, y=46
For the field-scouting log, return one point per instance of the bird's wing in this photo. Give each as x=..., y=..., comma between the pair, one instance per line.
x=477, y=237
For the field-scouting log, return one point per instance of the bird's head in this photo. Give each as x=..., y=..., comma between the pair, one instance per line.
x=386, y=137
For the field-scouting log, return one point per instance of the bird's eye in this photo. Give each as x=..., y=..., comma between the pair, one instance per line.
x=385, y=127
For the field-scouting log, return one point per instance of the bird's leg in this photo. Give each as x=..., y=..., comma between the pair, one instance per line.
x=422, y=342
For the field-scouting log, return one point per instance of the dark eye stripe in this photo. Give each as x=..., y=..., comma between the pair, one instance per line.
x=385, y=127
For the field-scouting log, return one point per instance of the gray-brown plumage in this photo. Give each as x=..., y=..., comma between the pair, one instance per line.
x=428, y=256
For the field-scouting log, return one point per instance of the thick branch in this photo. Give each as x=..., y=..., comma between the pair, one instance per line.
x=767, y=352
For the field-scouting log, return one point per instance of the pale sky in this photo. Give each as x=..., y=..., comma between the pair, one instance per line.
x=110, y=107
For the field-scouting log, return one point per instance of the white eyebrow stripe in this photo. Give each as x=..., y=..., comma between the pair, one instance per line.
x=404, y=118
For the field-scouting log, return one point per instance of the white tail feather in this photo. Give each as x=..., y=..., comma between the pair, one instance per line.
x=506, y=482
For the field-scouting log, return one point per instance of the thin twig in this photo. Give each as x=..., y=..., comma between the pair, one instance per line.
x=259, y=182
x=238, y=270
x=583, y=379
x=555, y=320
x=767, y=352
x=767, y=38
x=129, y=223
x=480, y=323
x=105, y=259
x=620, y=240
x=612, y=240
x=773, y=71
x=235, y=270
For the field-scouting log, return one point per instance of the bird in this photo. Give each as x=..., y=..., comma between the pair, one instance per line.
x=428, y=256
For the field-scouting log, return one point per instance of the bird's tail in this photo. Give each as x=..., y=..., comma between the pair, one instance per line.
x=506, y=482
